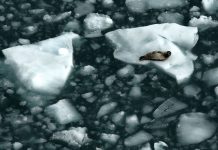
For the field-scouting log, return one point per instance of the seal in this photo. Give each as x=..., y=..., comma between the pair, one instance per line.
x=156, y=56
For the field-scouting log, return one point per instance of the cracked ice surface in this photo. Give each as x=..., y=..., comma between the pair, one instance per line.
x=43, y=67
x=132, y=43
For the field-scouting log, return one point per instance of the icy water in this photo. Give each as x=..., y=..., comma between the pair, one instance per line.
x=105, y=103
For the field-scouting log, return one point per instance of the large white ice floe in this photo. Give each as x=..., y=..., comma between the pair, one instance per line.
x=210, y=6
x=43, y=67
x=132, y=43
x=63, y=112
x=203, y=23
x=194, y=128
x=139, y=6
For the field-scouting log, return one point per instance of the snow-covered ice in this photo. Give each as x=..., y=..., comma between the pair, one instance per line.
x=95, y=23
x=63, y=112
x=132, y=43
x=137, y=139
x=45, y=66
x=74, y=137
x=210, y=77
x=194, y=128
x=203, y=23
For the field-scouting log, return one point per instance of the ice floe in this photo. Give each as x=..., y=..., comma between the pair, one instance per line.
x=63, y=112
x=74, y=137
x=203, y=23
x=194, y=128
x=43, y=67
x=132, y=43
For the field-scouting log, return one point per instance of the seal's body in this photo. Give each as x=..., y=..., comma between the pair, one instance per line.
x=156, y=56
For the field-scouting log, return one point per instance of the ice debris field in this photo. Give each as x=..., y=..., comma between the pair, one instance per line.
x=71, y=78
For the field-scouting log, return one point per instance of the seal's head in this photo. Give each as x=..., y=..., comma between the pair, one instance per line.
x=167, y=54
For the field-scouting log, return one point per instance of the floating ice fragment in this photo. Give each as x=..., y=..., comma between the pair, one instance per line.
x=210, y=6
x=170, y=106
x=118, y=118
x=135, y=92
x=63, y=112
x=160, y=146
x=75, y=137
x=126, y=71
x=140, y=6
x=203, y=23
x=110, y=138
x=110, y=80
x=194, y=128
x=130, y=44
x=210, y=77
x=87, y=70
x=95, y=23
x=137, y=139
x=132, y=123
x=106, y=109
x=191, y=91
x=170, y=17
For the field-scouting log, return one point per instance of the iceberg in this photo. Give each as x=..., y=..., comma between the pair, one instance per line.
x=132, y=43
x=43, y=67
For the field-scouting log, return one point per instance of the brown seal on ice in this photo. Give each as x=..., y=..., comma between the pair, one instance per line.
x=156, y=56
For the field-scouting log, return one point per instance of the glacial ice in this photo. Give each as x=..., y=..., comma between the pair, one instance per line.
x=203, y=23
x=74, y=137
x=63, y=112
x=194, y=128
x=132, y=43
x=45, y=66
x=210, y=6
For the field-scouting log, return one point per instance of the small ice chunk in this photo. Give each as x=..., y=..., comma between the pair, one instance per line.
x=137, y=6
x=169, y=36
x=83, y=8
x=210, y=77
x=106, y=109
x=110, y=80
x=194, y=128
x=118, y=118
x=216, y=91
x=95, y=22
x=135, y=92
x=191, y=91
x=141, y=6
x=210, y=6
x=170, y=106
x=75, y=137
x=87, y=70
x=137, y=139
x=160, y=145
x=107, y=3
x=203, y=23
x=146, y=146
x=145, y=119
x=126, y=71
x=132, y=123
x=208, y=59
x=17, y=145
x=110, y=138
x=170, y=17
x=23, y=41
x=63, y=112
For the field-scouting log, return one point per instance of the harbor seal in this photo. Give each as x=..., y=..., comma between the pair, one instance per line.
x=156, y=56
